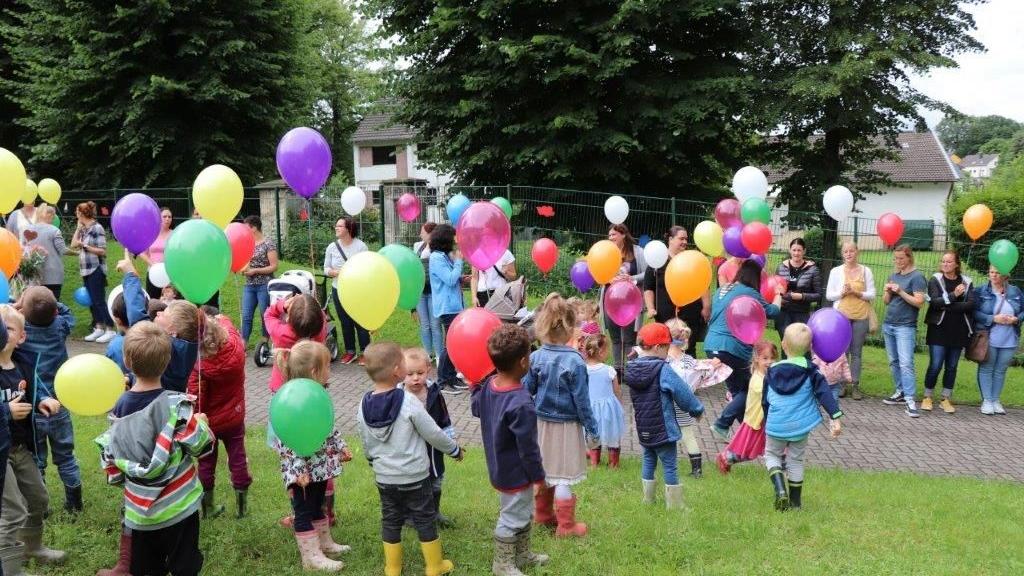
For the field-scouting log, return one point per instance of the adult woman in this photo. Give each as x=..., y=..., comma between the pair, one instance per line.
x=430, y=325
x=660, y=306
x=48, y=237
x=803, y=288
x=155, y=254
x=903, y=296
x=346, y=245
x=633, y=269
x=483, y=283
x=90, y=239
x=949, y=320
x=852, y=288
x=723, y=345
x=446, y=295
x=258, y=274
x=1000, y=311
x=19, y=220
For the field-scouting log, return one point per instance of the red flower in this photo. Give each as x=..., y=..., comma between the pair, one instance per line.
x=546, y=211
x=303, y=215
x=104, y=211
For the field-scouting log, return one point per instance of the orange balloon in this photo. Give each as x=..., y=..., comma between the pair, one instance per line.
x=687, y=277
x=977, y=221
x=604, y=261
x=10, y=253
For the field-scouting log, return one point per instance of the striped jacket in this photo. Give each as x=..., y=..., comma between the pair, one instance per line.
x=161, y=483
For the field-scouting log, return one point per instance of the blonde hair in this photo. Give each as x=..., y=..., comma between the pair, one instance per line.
x=147, y=350
x=11, y=316
x=555, y=320
x=381, y=359
x=184, y=317
x=759, y=347
x=586, y=310
x=594, y=346
x=796, y=340
x=306, y=359
x=213, y=337
x=416, y=354
x=679, y=330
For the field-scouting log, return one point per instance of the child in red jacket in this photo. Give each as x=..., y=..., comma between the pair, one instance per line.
x=219, y=384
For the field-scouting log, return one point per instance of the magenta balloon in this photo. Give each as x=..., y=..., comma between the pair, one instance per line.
x=580, y=276
x=483, y=234
x=727, y=213
x=732, y=240
x=408, y=207
x=304, y=161
x=831, y=334
x=746, y=319
x=622, y=302
x=135, y=222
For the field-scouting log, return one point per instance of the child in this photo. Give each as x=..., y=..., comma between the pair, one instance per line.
x=586, y=311
x=558, y=382
x=168, y=294
x=306, y=477
x=793, y=391
x=837, y=374
x=151, y=445
x=290, y=320
x=748, y=443
x=603, y=388
x=508, y=427
x=218, y=383
x=417, y=365
x=119, y=313
x=48, y=324
x=393, y=426
x=653, y=391
x=25, y=499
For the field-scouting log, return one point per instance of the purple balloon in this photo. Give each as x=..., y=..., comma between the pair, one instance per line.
x=733, y=242
x=580, y=276
x=830, y=334
x=304, y=161
x=760, y=259
x=135, y=222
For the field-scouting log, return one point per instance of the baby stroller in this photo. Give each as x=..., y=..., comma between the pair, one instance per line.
x=294, y=283
x=509, y=304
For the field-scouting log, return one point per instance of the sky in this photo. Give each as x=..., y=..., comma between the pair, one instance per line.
x=990, y=82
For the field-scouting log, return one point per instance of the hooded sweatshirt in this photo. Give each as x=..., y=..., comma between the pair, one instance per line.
x=438, y=410
x=46, y=347
x=219, y=382
x=793, y=391
x=393, y=426
x=653, y=392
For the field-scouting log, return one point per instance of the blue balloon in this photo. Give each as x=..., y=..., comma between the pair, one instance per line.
x=643, y=240
x=5, y=289
x=82, y=296
x=456, y=206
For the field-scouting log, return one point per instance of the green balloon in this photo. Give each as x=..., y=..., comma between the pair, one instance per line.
x=411, y=277
x=756, y=210
x=302, y=415
x=505, y=206
x=198, y=259
x=56, y=221
x=1003, y=255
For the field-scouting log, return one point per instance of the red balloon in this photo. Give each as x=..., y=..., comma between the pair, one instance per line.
x=890, y=228
x=727, y=213
x=467, y=342
x=756, y=237
x=243, y=244
x=545, y=254
x=727, y=270
x=768, y=284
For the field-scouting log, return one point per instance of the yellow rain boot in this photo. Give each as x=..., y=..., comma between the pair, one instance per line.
x=433, y=559
x=392, y=559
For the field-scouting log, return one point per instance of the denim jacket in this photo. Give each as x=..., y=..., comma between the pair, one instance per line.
x=558, y=382
x=445, y=284
x=984, y=313
x=47, y=345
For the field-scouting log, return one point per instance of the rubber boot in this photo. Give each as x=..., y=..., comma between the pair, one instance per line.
x=673, y=496
x=34, y=548
x=210, y=510
x=524, y=556
x=855, y=393
x=613, y=457
x=565, y=511
x=442, y=520
x=328, y=546
x=124, y=557
x=778, y=479
x=242, y=502
x=843, y=389
x=595, y=456
x=696, y=469
x=392, y=559
x=312, y=557
x=12, y=559
x=73, y=499
x=543, y=512
x=795, y=489
x=648, y=491
x=504, y=563
x=434, y=562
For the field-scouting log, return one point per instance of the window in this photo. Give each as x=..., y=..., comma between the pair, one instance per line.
x=383, y=155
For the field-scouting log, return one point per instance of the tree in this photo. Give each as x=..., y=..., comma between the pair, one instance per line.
x=599, y=94
x=1007, y=148
x=965, y=135
x=1001, y=194
x=12, y=136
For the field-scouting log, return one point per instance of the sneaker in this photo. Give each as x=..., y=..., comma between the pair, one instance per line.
x=106, y=337
x=926, y=404
x=997, y=407
x=720, y=434
x=450, y=389
x=895, y=400
x=348, y=358
x=360, y=360
x=986, y=408
x=94, y=335
x=912, y=412
x=947, y=406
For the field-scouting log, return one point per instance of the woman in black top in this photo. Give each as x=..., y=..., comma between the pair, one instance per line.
x=660, y=306
x=949, y=327
x=804, y=287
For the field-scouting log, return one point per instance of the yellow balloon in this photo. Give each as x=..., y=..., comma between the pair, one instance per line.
x=368, y=289
x=31, y=191
x=687, y=277
x=708, y=236
x=604, y=261
x=977, y=221
x=217, y=194
x=49, y=190
x=89, y=384
x=12, y=181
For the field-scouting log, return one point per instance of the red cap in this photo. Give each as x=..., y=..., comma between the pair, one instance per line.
x=654, y=335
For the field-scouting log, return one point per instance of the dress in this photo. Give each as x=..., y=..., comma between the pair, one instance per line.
x=611, y=421
x=748, y=443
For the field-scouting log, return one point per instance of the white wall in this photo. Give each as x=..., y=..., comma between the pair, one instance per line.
x=416, y=171
x=371, y=176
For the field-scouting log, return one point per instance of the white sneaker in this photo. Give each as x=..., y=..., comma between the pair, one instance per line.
x=94, y=335
x=997, y=407
x=987, y=408
x=106, y=337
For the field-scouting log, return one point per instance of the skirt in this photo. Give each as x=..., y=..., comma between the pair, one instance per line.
x=611, y=421
x=748, y=443
x=563, y=450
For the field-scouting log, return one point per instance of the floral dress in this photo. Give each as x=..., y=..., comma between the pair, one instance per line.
x=321, y=466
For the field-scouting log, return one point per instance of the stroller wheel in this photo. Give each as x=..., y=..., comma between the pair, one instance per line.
x=262, y=355
x=332, y=343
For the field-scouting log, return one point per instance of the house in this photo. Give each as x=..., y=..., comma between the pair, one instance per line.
x=979, y=166
x=384, y=152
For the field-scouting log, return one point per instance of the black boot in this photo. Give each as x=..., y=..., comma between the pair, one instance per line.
x=695, y=466
x=73, y=499
x=778, y=479
x=794, y=494
x=209, y=509
x=242, y=500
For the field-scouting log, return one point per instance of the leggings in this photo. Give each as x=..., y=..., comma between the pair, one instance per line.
x=860, y=334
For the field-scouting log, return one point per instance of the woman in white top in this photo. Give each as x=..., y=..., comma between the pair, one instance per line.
x=431, y=335
x=483, y=283
x=19, y=220
x=852, y=288
x=337, y=254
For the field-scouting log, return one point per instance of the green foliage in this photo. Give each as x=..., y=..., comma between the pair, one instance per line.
x=815, y=239
x=965, y=135
x=1007, y=148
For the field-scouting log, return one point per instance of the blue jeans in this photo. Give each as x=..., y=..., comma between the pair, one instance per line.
x=939, y=356
x=430, y=327
x=899, y=347
x=96, y=285
x=667, y=454
x=992, y=372
x=445, y=369
x=835, y=388
x=252, y=296
x=58, y=432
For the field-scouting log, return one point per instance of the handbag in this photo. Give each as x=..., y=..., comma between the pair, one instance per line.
x=872, y=320
x=977, y=349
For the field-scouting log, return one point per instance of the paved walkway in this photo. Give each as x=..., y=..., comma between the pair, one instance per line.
x=875, y=436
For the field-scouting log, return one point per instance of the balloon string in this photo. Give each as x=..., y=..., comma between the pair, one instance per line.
x=309, y=223
x=199, y=361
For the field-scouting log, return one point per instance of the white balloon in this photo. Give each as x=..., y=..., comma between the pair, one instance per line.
x=616, y=209
x=119, y=289
x=838, y=201
x=656, y=253
x=353, y=200
x=749, y=182
x=158, y=275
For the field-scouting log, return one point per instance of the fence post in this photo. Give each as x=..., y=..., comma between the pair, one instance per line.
x=277, y=216
x=383, y=240
x=674, y=211
x=856, y=229
x=508, y=192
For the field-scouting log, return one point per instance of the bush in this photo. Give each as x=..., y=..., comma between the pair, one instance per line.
x=815, y=239
x=320, y=225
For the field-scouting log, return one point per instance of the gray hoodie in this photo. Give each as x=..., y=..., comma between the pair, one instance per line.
x=393, y=427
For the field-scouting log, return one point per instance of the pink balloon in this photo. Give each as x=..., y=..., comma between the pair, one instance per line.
x=622, y=302
x=483, y=234
x=408, y=207
x=727, y=213
x=746, y=319
x=768, y=284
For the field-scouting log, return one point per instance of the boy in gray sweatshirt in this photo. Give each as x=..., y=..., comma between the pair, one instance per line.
x=395, y=429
